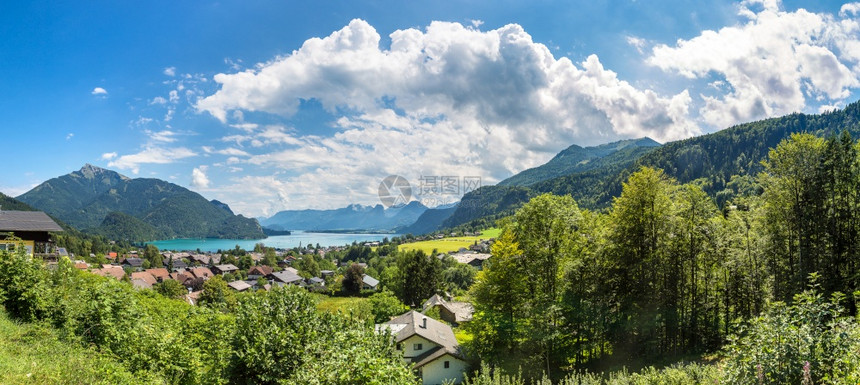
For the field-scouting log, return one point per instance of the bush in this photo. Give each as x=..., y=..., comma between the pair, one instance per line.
x=810, y=340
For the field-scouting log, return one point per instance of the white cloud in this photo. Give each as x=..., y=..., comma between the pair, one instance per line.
x=637, y=42
x=99, y=91
x=70, y=135
x=232, y=151
x=849, y=9
x=164, y=136
x=109, y=155
x=170, y=71
x=773, y=63
x=468, y=102
x=150, y=155
x=199, y=178
x=158, y=100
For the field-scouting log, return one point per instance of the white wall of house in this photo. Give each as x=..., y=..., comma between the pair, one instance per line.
x=435, y=372
x=408, y=346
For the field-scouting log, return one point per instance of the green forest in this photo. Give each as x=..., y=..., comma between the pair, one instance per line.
x=764, y=287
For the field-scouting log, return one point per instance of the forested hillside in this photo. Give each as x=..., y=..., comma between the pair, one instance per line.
x=712, y=160
x=85, y=198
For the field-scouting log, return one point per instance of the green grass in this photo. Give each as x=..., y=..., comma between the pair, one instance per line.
x=355, y=306
x=450, y=244
x=34, y=354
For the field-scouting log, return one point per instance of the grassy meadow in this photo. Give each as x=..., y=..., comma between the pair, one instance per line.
x=450, y=244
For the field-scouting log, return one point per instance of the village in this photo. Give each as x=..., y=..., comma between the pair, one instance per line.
x=428, y=344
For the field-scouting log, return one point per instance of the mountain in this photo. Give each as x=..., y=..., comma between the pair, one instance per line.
x=352, y=217
x=430, y=221
x=91, y=197
x=712, y=159
x=576, y=159
x=9, y=203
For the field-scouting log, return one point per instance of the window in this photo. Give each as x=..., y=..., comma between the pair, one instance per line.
x=399, y=346
x=417, y=347
x=447, y=364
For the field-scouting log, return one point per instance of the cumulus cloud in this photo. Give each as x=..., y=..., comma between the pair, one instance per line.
x=70, y=135
x=449, y=100
x=454, y=73
x=170, y=71
x=149, y=155
x=199, y=178
x=98, y=91
x=773, y=63
x=109, y=155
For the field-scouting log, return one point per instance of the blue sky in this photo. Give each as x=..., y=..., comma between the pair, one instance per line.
x=271, y=105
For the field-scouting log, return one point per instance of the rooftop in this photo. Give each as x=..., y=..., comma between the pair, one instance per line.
x=27, y=221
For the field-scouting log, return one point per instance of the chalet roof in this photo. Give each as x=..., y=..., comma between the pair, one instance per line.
x=140, y=284
x=27, y=221
x=136, y=262
x=370, y=281
x=158, y=273
x=413, y=322
x=260, y=270
x=227, y=267
x=110, y=271
x=462, y=310
x=239, y=285
x=285, y=276
x=201, y=272
x=144, y=276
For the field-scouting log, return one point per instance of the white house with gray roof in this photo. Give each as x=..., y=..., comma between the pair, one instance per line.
x=430, y=346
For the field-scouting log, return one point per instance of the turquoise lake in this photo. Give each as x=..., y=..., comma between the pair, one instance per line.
x=297, y=238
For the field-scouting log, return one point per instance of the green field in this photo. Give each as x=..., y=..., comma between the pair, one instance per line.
x=351, y=306
x=446, y=245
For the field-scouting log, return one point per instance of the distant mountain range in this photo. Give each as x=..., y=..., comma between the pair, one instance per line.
x=100, y=201
x=351, y=218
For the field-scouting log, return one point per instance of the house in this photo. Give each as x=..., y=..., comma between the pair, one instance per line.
x=143, y=276
x=368, y=282
x=33, y=228
x=140, y=284
x=471, y=258
x=259, y=271
x=175, y=262
x=112, y=255
x=193, y=297
x=160, y=273
x=239, y=285
x=136, y=264
x=113, y=271
x=183, y=277
x=200, y=272
x=430, y=346
x=316, y=281
x=282, y=278
x=326, y=273
x=453, y=312
x=223, y=269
